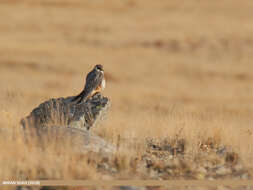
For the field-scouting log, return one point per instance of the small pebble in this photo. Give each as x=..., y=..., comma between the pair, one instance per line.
x=223, y=171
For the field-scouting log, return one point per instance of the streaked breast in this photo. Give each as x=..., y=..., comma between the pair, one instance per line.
x=103, y=84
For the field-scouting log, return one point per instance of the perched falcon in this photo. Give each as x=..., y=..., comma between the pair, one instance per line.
x=95, y=82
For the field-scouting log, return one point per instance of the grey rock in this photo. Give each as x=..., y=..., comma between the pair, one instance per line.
x=81, y=141
x=202, y=170
x=238, y=167
x=223, y=171
x=245, y=176
x=62, y=111
x=221, y=151
x=62, y=119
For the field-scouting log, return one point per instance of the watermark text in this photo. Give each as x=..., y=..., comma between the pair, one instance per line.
x=20, y=182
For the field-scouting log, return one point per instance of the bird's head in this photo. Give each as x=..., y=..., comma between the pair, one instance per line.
x=99, y=68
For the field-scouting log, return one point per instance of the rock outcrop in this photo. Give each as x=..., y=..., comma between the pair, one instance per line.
x=82, y=141
x=64, y=112
x=63, y=119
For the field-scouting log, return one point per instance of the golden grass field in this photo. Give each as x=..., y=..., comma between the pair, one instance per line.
x=170, y=67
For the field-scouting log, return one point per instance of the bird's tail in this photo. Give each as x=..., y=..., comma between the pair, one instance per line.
x=82, y=96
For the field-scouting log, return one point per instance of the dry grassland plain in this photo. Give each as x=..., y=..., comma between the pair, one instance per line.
x=171, y=67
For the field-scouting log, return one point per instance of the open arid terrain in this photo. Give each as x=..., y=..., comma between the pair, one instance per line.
x=179, y=76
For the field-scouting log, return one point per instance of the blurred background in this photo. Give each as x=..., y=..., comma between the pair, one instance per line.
x=169, y=65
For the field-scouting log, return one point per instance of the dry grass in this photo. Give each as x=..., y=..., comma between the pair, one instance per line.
x=170, y=67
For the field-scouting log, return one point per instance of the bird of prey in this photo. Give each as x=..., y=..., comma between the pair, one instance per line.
x=95, y=82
